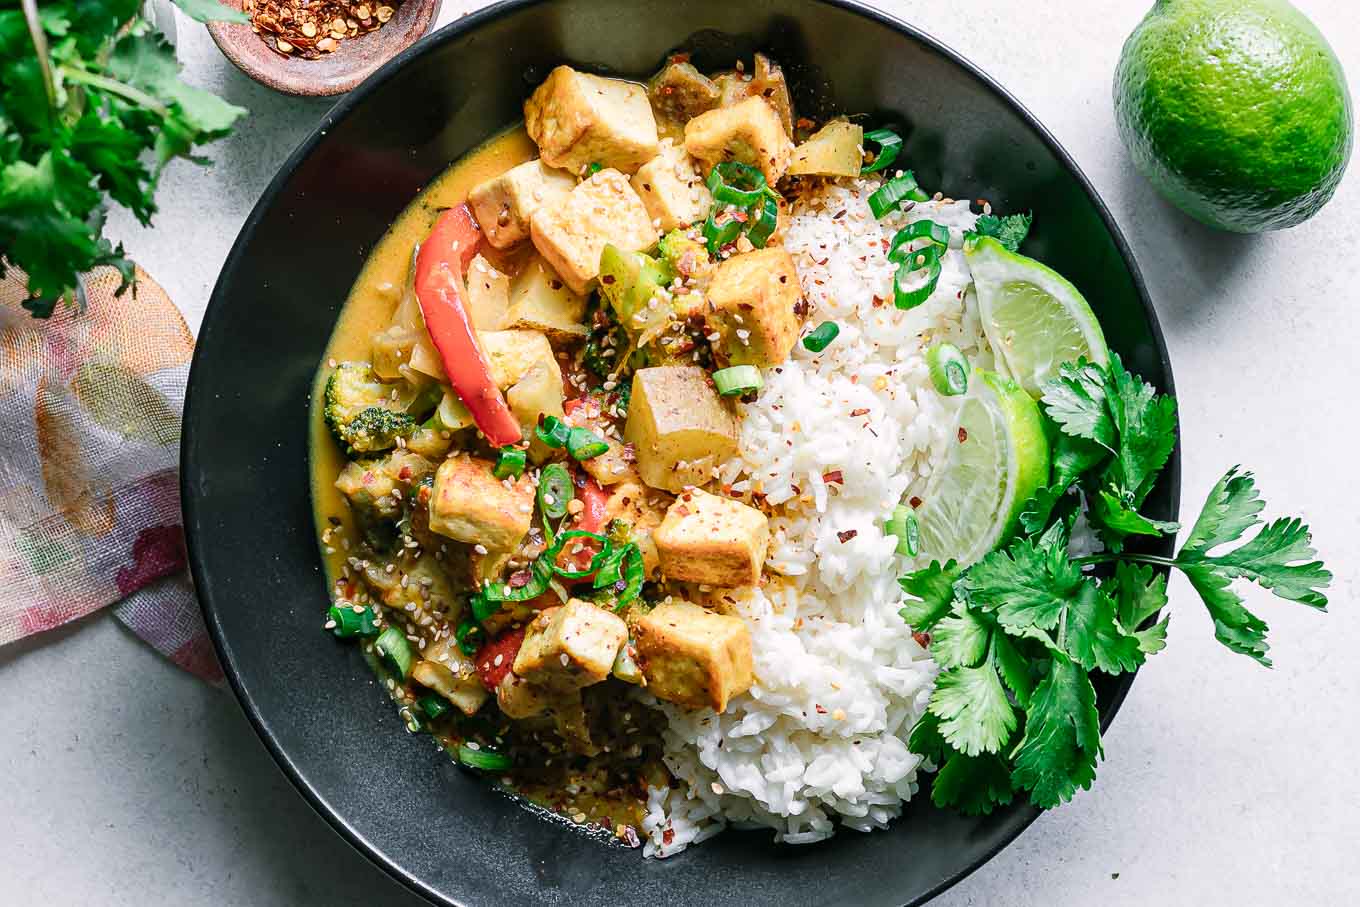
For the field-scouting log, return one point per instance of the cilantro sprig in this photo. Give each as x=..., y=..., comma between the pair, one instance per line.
x=91, y=110
x=1018, y=634
x=1010, y=230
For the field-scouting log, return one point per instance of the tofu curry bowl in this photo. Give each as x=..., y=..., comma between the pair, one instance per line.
x=628, y=429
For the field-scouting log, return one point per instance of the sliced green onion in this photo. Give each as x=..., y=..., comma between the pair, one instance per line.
x=633, y=574
x=510, y=463
x=948, y=369
x=611, y=568
x=469, y=635
x=821, y=338
x=433, y=705
x=488, y=601
x=484, y=760
x=584, y=444
x=889, y=147
x=891, y=194
x=555, y=491
x=553, y=432
x=921, y=229
x=595, y=167
x=718, y=235
x=349, y=622
x=597, y=559
x=763, y=224
x=394, y=649
x=904, y=525
x=928, y=260
x=735, y=183
x=739, y=379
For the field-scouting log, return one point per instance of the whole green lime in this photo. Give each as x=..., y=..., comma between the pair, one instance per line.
x=1236, y=110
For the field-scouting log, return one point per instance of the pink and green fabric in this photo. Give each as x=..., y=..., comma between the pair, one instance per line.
x=90, y=409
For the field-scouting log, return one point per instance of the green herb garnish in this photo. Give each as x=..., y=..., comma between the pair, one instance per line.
x=1017, y=633
x=86, y=90
x=1010, y=230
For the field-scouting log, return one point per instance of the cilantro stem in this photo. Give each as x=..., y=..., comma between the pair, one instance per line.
x=39, y=39
x=1114, y=558
x=113, y=86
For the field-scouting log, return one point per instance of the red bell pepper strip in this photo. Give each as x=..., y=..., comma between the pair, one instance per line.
x=507, y=646
x=591, y=519
x=440, y=266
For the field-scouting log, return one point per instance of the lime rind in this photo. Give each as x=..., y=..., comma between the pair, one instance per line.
x=1034, y=318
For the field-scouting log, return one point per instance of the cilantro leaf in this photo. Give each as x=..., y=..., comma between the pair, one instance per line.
x=1234, y=626
x=974, y=785
x=1146, y=422
x=933, y=588
x=1075, y=401
x=926, y=740
x=1025, y=585
x=1014, y=667
x=975, y=715
x=1094, y=637
x=961, y=640
x=1010, y=230
x=1140, y=592
x=1058, y=753
x=1116, y=520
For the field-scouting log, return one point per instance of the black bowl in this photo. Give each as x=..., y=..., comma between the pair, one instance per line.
x=245, y=481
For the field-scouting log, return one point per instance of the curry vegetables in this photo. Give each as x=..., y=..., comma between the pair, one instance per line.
x=533, y=525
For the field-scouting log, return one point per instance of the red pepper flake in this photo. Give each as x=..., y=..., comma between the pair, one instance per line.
x=847, y=535
x=834, y=476
x=856, y=413
x=821, y=710
x=914, y=502
x=606, y=278
x=405, y=473
x=922, y=639
x=963, y=434
x=668, y=836
x=878, y=302
x=519, y=579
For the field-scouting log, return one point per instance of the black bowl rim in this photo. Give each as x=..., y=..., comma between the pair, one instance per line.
x=1019, y=820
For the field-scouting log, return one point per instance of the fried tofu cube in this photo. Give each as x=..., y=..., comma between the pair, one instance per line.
x=749, y=132
x=672, y=189
x=513, y=354
x=693, y=657
x=518, y=698
x=541, y=301
x=714, y=540
x=504, y=203
x=578, y=119
x=753, y=305
x=680, y=429
x=446, y=670
x=471, y=505
x=488, y=295
x=604, y=210
x=570, y=646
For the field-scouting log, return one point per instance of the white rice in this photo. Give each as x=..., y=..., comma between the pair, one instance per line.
x=820, y=739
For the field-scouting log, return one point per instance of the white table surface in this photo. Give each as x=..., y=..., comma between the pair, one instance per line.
x=130, y=782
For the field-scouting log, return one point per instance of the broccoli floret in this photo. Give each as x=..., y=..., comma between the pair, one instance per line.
x=359, y=410
x=685, y=255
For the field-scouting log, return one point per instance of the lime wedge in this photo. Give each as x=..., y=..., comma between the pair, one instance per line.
x=998, y=458
x=1034, y=319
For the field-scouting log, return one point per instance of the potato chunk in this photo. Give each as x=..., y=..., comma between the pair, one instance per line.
x=578, y=119
x=753, y=300
x=570, y=646
x=679, y=427
x=834, y=150
x=693, y=657
x=504, y=203
x=512, y=354
x=679, y=91
x=471, y=505
x=488, y=295
x=542, y=301
x=714, y=540
x=672, y=189
x=446, y=670
x=748, y=131
x=766, y=80
x=603, y=210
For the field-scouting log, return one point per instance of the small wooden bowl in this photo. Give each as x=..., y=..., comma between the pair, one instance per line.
x=334, y=73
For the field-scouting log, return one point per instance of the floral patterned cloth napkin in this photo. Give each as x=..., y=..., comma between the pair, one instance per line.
x=90, y=408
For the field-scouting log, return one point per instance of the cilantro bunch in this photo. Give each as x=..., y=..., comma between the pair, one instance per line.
x=91, y=110
x=1017, y=634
